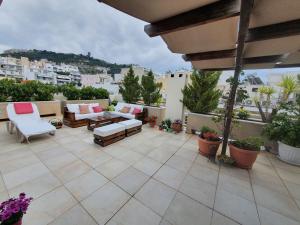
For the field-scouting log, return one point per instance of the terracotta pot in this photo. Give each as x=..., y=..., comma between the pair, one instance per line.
x=176, y=127
x=152, y=124
x=208, y=148
x=243, y=158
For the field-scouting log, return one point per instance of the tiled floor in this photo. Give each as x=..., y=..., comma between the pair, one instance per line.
x=150, y=178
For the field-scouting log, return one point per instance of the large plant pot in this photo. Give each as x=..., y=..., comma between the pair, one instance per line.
x=289, y=153
x=208, y=148
x=243, y=158
x=176, y=127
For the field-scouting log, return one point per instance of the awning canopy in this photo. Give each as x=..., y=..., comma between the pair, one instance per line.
x=206, y=31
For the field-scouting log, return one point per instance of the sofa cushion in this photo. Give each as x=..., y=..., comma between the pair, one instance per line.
x=125, y=115
x=97, y=109
x=109, y=129
x=136, y=111
x=131, y=123
x=119, y=106
x=84, y=109
x=79, y=116
x=91, y=105
x=74, y=108
x=23, y=108
x=125, y=109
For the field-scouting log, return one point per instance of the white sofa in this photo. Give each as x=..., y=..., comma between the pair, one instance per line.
x=129, y=115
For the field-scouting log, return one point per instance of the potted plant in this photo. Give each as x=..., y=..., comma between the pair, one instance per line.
x=244, y=151
x=56, y=122
x=208, y=142
x=243, y=114
x=177, y=125
x=166, y=125
x=285, y=129
x=12, y=210
x=151, y=120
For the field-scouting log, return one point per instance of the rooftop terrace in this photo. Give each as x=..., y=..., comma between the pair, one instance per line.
x=150, y=178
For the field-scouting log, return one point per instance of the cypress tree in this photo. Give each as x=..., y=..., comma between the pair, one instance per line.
x=150, y=90
x=201, y=96
x=130, y=87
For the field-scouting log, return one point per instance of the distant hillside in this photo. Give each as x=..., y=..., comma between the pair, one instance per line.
x=85, y=63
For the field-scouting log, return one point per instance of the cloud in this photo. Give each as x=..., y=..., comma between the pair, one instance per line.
x=83, y=26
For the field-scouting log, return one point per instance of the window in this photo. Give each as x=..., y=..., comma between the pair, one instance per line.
x=180, y=75
x=254, y=89
x=172, y=75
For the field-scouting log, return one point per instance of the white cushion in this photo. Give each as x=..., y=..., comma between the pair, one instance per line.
x=73, y=108
x=109, y=129
x=125, y=115
x=131, y=123
x=79, y=116
x=119, y=106
x=35, y=127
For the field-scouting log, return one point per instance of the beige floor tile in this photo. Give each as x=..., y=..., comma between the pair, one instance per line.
x=56, y=163
x=116, y=150
x=131, y=157
x=219, y=219
x=268, y=217
x=185, y=211
x=15, y=154
x=237, y=208
x=36, y=187
x=203, y=161
x=43, y=146
x=75, y=216
x=160, y=155
x=147, y=166
x=23, y=175
x=74, y=146
x=105, y=202
x=96, y=157
x=86, y=184
x=289, y=176
x=187, y=154
x=276, y=202
x=156, y=196
x=165, y=222
x=2, y=185
x=143, y=148
x=131, y=180
x=199, y=190
x=11, y=165
x=112, y=168
x=235, y=172
x=179, y=163
x=3, y=196
x=66, y=140
x=206, y=174
x=72, y=170
x=294, y=189
x=134, y=213
x=51, y=153
x=240, y=187
x=48, y=207
x=170, y=176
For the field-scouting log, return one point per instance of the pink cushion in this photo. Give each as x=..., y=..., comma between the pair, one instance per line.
x=97, y=109
x=23, y=108
x=136, y=111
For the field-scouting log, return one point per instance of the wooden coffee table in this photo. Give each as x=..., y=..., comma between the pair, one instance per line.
x=100, y=121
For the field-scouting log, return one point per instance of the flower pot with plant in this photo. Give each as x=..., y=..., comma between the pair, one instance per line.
x=166, y=125
x=285, y=128
x=244, y=151
x=57, y=123
x=177, y=126
x=208, y=142
x=151, y=120
x=12, y=210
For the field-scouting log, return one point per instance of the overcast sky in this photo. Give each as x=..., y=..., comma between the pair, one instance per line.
x=81, y=26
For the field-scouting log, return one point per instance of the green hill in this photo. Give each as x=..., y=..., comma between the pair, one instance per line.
x=85, y=63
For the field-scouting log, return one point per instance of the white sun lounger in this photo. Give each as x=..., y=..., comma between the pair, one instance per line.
x=28, y=125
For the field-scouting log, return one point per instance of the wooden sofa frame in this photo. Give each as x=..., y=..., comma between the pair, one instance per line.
x=104, y=141
x=69, y=118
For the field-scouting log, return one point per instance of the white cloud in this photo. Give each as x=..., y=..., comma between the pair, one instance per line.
x=83, y=26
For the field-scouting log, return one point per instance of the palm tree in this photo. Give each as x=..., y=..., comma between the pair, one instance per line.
x=289, y=85
x=267, y=91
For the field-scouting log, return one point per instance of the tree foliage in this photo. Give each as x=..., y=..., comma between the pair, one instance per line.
x=150, y=90
x=289, y=85
x=130, y=87
x=201, y=96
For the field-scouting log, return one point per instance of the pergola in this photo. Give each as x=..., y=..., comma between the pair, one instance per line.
x=224, y=34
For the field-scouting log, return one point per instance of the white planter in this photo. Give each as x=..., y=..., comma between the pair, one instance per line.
x=289, y=154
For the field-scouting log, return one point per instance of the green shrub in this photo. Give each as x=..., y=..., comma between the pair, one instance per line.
x=101, y=93
x=71, y=92
x=250, y=143
x=243, y=114
x=45, y=92
x=87, y=93
x=6, y=86
x=114, y=102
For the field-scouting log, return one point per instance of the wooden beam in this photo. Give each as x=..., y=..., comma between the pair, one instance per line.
x=278, y=30
x=218, y=69
x=287, y=65
x=262, y=59
x=246, y=8
x=230, y=53
x=206, y=14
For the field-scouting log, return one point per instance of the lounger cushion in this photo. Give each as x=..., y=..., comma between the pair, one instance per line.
x=109, y=129
x=34, y=127
x=79, y=116
x=23, y=108
x=131, y=123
